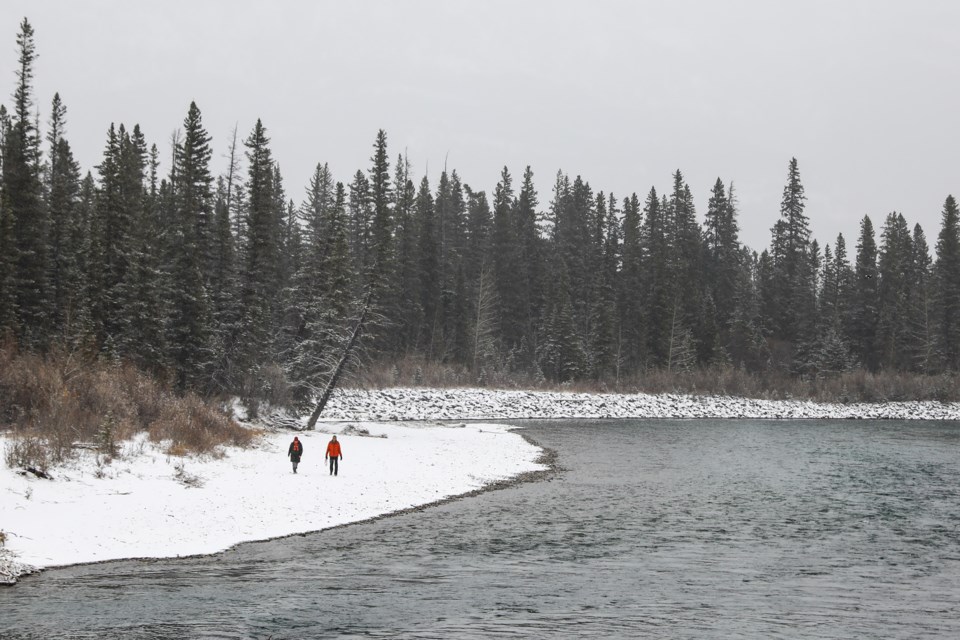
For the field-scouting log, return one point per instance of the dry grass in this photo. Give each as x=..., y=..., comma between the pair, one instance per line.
x=54, y=402
x=854, y=386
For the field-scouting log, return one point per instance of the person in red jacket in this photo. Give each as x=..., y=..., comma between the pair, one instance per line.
x=294, y=451
x=333, y=452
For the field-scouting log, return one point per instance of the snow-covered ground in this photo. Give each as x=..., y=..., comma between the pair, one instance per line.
x=148, y=504
x=483, y=404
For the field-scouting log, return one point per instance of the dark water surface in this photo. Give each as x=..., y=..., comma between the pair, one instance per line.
x=659, y=529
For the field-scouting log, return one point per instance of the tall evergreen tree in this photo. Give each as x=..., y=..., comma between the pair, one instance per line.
x=894, y=268
x=722, y=254
x=632, y=335
x=505, y=253
x=380, y=200
x=865, y=313
x=921, y=342
x=947, y=271
x=428, y=250
x=792, y=288
x=660, y=294
x=190, y=326
x=406, y=276
x=22, y=193
x=66, y=232
x=257, y=295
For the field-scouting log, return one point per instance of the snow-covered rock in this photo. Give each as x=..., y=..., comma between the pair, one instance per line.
x=484, y=404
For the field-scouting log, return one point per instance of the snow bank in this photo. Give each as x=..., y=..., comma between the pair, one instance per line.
x=148, y=504
x=483, y=404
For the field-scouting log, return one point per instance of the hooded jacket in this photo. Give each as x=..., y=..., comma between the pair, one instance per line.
x=295, y=450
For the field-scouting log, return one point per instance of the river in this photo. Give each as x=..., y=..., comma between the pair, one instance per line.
x=659, y=529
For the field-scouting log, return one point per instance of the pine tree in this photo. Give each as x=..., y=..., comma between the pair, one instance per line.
x=792, y=288
x=380, y=199
x=685, y=258
x=22, y=194
x=560, y=352
x=530, y=258
x=428, y=251
x=361, y=221
x=505, y=253
x=194, y=263
x=406, y=310
x=632, y=333
x=947, y=272
x=722, y=254
x=65, y=241
x=603, y=314
x=894, y=267
x=865, y=314
x=223, y=290
x=659, y=290
x=747, y=345
x=260, y=258
x=921, y=341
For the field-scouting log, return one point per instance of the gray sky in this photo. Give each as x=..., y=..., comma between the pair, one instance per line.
x=863, y=93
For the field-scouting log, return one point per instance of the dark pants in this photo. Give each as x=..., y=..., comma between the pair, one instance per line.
x=295, y=463
x=334, y=466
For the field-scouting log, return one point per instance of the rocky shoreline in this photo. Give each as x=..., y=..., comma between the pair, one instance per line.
x=482, y=404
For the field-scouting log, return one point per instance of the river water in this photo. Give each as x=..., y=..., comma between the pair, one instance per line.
x=651, y=529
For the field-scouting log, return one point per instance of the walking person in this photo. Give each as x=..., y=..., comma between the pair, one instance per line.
x=294, y=452
x=333, y=452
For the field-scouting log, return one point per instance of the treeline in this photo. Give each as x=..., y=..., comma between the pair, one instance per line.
x=226, y=284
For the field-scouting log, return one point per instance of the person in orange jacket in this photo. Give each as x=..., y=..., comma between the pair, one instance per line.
x=333, y=452
x=294, y=451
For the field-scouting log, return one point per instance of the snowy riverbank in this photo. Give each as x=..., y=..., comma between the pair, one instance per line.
x=147, y=504
x=483, y=404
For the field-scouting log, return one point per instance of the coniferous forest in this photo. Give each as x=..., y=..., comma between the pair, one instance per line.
x=237, y=284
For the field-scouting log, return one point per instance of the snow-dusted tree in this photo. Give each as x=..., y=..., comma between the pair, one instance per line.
x=190, y=333
x=260, y=256
x=484, y=351
x=947, y=272
x=632, y=334
x=894, y=268
x=66, y=231
x=865, y=313
x=21, y=191
x=922, y=336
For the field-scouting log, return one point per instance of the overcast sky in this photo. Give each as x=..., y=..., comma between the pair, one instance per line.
x=863, y=93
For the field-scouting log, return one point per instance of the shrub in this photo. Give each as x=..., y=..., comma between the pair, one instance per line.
x=27, y=451
x=52, y=403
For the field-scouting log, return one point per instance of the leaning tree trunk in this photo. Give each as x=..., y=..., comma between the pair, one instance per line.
x=344, y=358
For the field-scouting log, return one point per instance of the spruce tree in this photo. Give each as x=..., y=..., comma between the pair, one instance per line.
x=428, y=250
x=921, y=341
x=261, y=253
x=505, y=252
x=659, y=292
x=894, y=268
x=380, y=200
x=22, y=194
x=792, y=288
x=194, y=263
x=406, y=310
x=632, y=334
x=865, y=314
x=66, y=232
x=947, y=271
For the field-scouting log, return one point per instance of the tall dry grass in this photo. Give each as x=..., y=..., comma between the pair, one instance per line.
x=56, y=402
x=853, y=386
